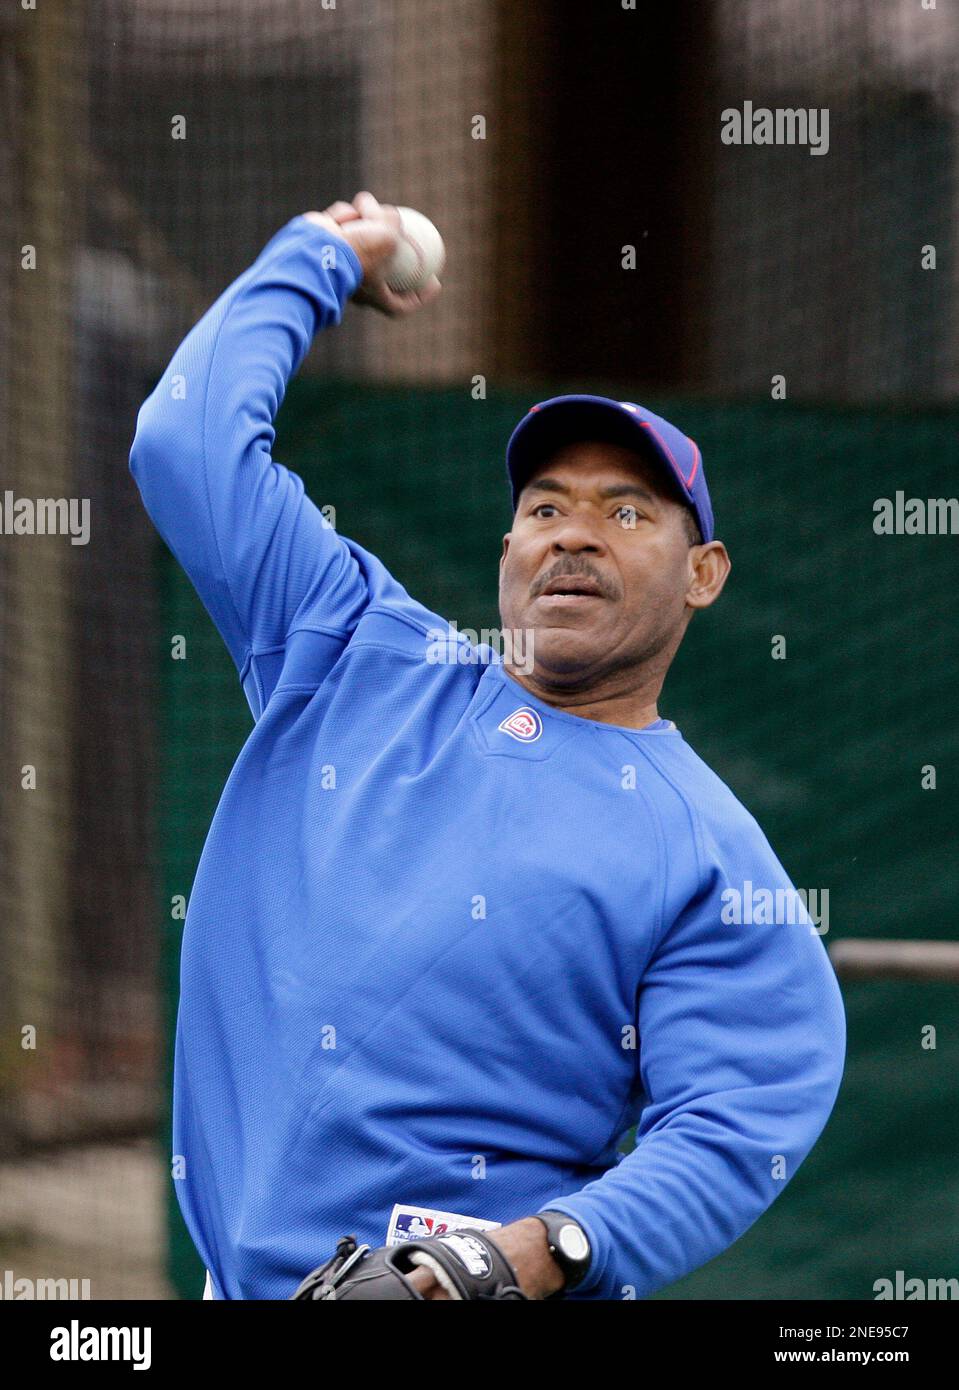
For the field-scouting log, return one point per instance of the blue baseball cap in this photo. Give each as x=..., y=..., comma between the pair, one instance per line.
x=568, y=419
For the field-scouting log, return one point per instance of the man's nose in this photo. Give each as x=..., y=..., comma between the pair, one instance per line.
x=577, y=535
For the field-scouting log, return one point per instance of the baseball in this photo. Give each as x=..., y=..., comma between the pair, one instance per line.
x=419, y=255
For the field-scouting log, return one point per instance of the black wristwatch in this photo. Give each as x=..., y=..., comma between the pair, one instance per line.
x=567, y=1245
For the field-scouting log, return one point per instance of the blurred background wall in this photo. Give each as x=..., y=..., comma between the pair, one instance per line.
x=600, y=236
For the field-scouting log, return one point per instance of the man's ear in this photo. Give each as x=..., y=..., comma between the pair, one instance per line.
x=502, y=558
x=709, y=567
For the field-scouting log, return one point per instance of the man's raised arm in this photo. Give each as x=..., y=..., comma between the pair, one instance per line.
x=252, y=543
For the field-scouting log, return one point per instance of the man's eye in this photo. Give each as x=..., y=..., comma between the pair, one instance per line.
x=538, y=510
x=627, y=516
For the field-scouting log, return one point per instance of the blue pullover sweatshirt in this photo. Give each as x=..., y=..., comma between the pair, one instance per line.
x=447, y=944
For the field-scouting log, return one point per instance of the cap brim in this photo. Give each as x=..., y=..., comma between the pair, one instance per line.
x=550, y=428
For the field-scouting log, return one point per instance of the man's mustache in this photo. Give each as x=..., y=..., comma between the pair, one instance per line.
x=568, y=569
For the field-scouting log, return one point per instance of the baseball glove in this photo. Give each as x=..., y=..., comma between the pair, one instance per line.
x=466, y=1263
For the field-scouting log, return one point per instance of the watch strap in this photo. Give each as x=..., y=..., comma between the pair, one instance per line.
x=573, y=1270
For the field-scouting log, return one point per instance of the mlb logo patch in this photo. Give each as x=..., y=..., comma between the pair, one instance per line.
x=523, y=724
x=416, y=1223
x=411, y=1226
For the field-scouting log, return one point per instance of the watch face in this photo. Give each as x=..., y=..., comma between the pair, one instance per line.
x=573, y=1242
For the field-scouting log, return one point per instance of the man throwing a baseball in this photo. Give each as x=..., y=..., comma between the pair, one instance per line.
x=458, y=925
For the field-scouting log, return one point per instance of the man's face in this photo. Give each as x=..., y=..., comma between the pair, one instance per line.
x=598, y=565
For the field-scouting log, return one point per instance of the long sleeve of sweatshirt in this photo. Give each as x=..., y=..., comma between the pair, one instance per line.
x=255, y=547
x=741, y=1036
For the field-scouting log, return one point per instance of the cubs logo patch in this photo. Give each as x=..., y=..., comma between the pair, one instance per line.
x=524, y=724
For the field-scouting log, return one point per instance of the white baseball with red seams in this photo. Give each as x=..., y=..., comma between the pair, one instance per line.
x=418, y=257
